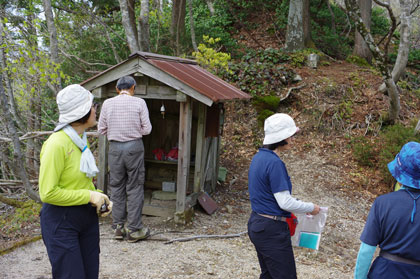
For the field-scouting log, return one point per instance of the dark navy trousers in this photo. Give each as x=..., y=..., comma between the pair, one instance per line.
x=386, y=269
x=272, y=241
x=71, y=236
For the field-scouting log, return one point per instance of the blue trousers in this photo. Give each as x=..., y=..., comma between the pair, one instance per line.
x=274, y=247
x=71, y=236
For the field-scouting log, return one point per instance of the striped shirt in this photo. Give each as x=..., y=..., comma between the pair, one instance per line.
x=124, y=118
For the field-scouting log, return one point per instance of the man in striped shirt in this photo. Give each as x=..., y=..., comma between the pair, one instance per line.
x=125, y=120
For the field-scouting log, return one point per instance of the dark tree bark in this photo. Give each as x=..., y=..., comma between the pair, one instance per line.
x=306, y=19
x=144, y=29
x=178, y=24
x=361, y=49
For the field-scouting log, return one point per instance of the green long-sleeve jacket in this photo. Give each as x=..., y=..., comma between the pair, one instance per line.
x=60, y=180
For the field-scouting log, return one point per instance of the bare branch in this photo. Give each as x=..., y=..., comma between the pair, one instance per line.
x=37, y=134
x=393, y=25
x=184, y=239
x=83, y=61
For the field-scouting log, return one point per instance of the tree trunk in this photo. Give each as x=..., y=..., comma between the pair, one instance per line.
x=33, y=101
x=404, y=47
x=53, y=39
x=144, y=29
x=16, y=144
x=210, y=4
x=190, y=9
x=306, y=19
x=379, y=56
x=9, y=90
x=295, y=35
x=361, y=49
x=178, y=24
x=129, y=27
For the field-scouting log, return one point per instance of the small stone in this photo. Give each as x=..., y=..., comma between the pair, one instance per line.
x=297, y=78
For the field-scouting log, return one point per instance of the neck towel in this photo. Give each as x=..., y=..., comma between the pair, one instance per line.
x=87, y=161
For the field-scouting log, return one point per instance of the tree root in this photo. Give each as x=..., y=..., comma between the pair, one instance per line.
x=18, y=244
x=12, y=202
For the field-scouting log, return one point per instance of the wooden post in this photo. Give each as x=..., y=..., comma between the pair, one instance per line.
x=199, y=164
x=214, y=150
x=217, y=155
x=102, y=178
x=184, y=151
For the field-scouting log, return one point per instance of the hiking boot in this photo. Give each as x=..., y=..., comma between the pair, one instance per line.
x=119, y=232
x=143, y=233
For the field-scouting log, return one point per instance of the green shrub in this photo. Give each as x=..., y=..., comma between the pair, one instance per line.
x=379, y=22
x=392, y=140
x=219, y=25
x=262, y=115
x=414, y=58
x=363, y=151
x=211, y=59
x=266, y=102
x=333, y=43
x=379, y=152
x=260, y=73
x=359, y=61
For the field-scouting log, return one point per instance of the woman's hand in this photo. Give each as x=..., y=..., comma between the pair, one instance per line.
x=98, y=199
x=108, y=210
x=316, y=210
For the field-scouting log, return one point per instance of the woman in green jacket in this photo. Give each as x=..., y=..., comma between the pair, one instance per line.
x=71, y=203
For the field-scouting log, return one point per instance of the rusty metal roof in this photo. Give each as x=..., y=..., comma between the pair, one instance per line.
x=188, y=72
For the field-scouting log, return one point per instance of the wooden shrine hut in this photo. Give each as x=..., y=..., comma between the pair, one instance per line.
x=185, y=105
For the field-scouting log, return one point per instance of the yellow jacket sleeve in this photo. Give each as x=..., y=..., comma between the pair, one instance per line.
x=60, y=180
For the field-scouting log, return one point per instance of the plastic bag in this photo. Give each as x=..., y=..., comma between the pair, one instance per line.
x=309, y=229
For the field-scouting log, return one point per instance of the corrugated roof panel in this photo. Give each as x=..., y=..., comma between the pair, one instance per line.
x=188, y=72
x=200, y=80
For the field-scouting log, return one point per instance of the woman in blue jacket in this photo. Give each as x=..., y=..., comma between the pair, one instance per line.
x=394, y=225
x=271, y=201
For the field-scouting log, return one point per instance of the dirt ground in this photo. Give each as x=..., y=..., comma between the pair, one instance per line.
x=314, y=179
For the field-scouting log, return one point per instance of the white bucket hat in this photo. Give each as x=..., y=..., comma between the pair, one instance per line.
x=73, y=102
x=278, y=127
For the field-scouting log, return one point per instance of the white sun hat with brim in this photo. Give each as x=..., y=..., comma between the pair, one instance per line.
x=278, y=127
x=73, y=102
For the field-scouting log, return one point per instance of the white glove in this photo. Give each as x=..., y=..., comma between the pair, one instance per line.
x=98, y=199
x=109, y=207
